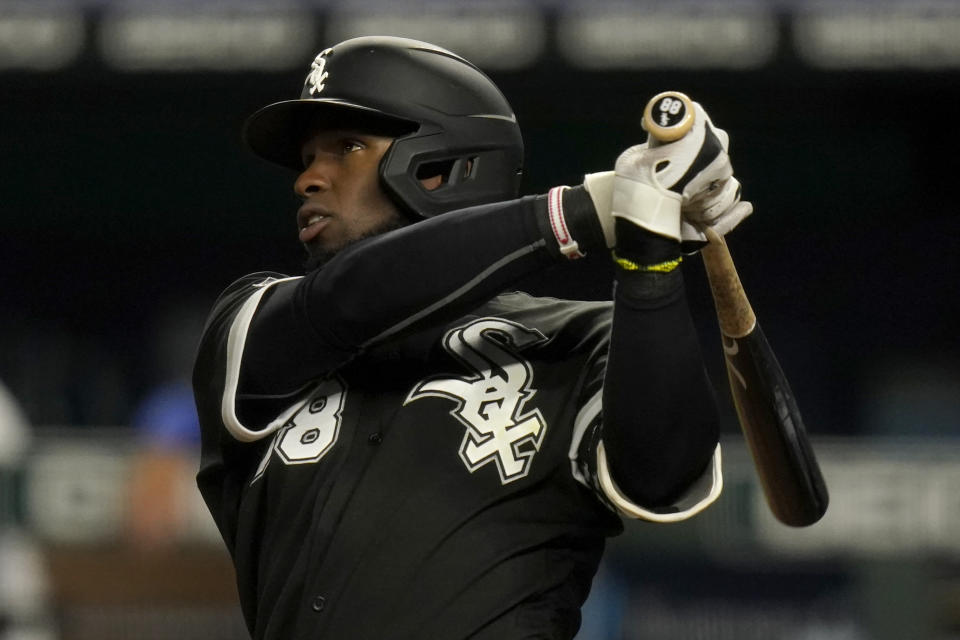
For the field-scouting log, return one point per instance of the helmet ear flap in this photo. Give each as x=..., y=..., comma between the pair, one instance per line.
x=461, y=170
x=407, y=162
x=450, y=171
x=470, y=175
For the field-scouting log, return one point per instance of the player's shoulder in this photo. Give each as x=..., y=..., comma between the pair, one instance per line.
x=252, y=281
x=241, y=288
x=233, y=296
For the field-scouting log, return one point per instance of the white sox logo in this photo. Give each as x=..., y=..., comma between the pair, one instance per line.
x=318, y=74
x=490, y=402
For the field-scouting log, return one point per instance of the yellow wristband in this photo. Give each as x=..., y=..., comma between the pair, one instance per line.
x=662, y=267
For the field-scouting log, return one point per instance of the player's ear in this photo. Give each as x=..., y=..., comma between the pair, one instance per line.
x=432, y=182
x=434, y=174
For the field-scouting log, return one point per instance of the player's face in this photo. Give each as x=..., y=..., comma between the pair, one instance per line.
x=340, y=187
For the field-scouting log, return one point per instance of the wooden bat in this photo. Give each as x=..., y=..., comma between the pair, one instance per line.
x=766, y=408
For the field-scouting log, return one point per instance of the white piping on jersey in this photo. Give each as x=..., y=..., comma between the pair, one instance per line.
x=698, y=497
x=456, y=293
x=701, y=494
x=493, y=116
x=236, y=340
x=584, y=418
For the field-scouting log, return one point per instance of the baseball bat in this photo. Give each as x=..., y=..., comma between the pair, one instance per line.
x=766, y=408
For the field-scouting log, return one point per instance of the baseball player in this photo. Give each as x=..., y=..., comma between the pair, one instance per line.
x=397, y=444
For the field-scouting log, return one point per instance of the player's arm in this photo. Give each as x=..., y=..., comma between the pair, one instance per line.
x=302, y=329
x=655, y=445
x=660, y=421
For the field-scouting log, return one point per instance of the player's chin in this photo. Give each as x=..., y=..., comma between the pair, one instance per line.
x=318, y=254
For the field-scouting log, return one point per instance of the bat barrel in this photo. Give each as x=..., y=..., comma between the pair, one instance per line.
x=774, y=430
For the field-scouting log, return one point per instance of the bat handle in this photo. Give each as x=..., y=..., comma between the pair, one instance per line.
x=668, y=116
x=734, y=312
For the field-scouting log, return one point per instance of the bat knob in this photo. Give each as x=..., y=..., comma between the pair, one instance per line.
x=668, y=116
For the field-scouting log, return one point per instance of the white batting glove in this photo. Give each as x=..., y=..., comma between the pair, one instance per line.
x=712, y=197
x=718, y=206
x=600, y=187
x=672, y=188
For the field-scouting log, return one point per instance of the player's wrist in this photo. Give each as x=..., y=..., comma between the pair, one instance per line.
x=641, y=246
x=569, y=222
x=647, y=266
x=647, y=289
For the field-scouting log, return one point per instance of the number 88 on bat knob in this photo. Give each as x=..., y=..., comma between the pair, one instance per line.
x=668, y=116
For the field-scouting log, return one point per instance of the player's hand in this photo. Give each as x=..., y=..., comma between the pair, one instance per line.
x=654, y=180
x=711, y=198
x=673, y=189
x=718, y=206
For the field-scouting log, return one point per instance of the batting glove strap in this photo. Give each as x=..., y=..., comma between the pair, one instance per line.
x=641, y=204
x=648, y=206
x=599, y=186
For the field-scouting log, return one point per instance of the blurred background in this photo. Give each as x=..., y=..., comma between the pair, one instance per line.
x=127, y=202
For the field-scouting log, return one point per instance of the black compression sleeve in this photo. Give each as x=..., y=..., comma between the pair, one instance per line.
x=435, y=269
x=581, y=217
x=660, y=423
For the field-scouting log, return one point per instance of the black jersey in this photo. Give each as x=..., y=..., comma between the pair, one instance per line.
x=427, y=488
x=445, y=482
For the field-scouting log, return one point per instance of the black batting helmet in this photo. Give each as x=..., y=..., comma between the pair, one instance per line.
x=447, y=116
